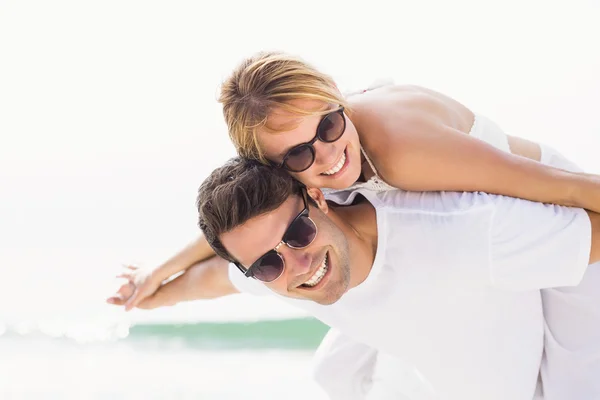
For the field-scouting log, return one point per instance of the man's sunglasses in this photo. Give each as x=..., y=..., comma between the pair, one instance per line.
x=299, y=234
x=299, y=158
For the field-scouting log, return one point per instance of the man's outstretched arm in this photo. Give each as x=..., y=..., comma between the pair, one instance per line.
x=207, y=279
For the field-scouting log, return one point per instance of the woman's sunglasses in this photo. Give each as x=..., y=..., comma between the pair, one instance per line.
x=299, y=234
x=299, y=158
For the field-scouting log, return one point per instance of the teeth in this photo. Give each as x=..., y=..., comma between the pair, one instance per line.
x=316, y=278
x=337, y=166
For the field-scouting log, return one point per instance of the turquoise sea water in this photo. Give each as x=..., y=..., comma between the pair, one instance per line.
x=292, y=334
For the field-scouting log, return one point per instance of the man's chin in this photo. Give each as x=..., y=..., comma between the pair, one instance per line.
x=330, y=297
x=327, y=302
x=324, y=302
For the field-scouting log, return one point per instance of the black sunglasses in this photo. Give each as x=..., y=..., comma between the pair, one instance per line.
x=299, y=234
x=299, y=158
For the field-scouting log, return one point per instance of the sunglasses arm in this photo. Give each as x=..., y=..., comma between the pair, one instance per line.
x=242, y=269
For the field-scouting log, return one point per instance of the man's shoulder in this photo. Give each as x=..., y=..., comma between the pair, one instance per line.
x=436, y=203
x=402, y=201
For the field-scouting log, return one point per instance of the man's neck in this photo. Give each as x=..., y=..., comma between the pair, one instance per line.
x=359, y=223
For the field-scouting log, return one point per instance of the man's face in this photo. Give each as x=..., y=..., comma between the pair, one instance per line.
x=319, y=272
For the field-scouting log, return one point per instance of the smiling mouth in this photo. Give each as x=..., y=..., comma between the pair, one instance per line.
x=338, y=166
x=318, y=275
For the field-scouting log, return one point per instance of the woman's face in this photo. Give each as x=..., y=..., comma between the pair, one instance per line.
x=336, y=165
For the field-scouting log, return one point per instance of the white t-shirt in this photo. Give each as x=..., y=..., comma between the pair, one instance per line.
x=454, y=287
x=343, y=367
x=350, y=370
x=571, y=363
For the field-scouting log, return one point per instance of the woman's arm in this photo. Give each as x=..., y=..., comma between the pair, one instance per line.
x=415, y=150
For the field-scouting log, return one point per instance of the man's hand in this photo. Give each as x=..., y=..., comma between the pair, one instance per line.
x=207, y=279
x=140, y=285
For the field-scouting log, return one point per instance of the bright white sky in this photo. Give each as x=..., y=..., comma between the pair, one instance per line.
x=109, y=120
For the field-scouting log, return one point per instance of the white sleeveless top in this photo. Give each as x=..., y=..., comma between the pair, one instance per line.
x=483, y=129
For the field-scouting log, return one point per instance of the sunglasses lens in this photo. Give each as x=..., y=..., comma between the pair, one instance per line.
x=301, y=233
x=300, y=158
x=332, y=127
x=268, y=268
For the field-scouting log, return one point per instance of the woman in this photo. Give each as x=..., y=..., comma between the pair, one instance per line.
x=283, y=111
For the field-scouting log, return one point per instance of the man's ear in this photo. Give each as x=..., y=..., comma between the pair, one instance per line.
x=319, y=198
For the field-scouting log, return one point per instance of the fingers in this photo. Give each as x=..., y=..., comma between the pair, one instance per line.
x=122, y=294
x=116, y=300
x=132, y=267
x=125, y=275
x=133, y=300
x=128, y=271
x=131, y=292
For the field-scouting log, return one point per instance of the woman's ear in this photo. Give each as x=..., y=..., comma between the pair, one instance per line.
x=319, y=198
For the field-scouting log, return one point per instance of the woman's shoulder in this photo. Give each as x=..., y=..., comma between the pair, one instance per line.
x=391, y=111
x=391, y=123
x=389, y=91
x=388, y=110
x=377, y=108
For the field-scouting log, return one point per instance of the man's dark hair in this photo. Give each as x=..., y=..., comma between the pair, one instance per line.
x=237, y=192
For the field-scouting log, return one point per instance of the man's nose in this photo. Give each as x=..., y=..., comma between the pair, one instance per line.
x=297, y=261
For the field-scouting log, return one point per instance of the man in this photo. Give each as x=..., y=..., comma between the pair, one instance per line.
x=448, y=282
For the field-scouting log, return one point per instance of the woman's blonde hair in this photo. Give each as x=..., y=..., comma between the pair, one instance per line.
x=266, y=81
